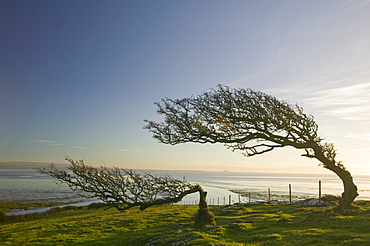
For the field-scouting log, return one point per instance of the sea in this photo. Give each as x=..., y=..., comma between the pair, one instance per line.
x=222, y=188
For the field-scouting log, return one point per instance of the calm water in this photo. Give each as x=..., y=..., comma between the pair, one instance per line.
x=218, y=185
x=29, y=184
x=19, y=184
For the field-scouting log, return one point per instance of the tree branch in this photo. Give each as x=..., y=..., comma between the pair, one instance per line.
x=121, y=188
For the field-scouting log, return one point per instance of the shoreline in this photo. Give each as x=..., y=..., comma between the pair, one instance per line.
x=32, y=210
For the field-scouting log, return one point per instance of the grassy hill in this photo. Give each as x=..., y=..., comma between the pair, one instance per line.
x=256, y=224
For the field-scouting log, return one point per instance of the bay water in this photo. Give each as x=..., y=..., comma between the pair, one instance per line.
x=222, y=187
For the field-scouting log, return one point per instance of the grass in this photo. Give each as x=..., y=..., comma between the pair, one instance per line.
x=256, y=224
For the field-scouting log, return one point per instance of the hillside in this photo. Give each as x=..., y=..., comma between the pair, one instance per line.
x=243, y=224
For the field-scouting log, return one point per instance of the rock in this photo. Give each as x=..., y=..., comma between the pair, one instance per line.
x=279, y=202
x=311, y=202
x=178, y=243
x=177, y=213
x=214, y=227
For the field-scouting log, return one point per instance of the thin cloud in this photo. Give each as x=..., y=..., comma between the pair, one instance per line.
x=344, y=94
x=80, y=147
x=43, y=141
x=359, y=137
x=348, y=102
x=318, y=82
x=348, y=95
x=242, y=80
x=135, y=150
x=84, y=147
x=48, y=142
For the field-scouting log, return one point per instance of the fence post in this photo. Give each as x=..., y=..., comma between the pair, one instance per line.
x=218, y=201
x=239, y=197
x=290, y=194
x=269, y=192
x=224, y=200
x=249, y=197
x=319, y=191
x=229, y=199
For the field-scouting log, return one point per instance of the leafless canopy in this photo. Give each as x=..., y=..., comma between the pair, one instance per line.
x=121, y=188
x=242, y=119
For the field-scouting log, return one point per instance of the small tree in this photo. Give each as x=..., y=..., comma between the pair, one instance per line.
x=250, y=121
x=125, y=188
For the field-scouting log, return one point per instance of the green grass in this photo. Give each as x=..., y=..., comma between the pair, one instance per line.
x=256, y=224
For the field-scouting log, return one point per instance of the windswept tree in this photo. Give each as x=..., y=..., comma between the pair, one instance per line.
x=250, y=121
x=125, y=188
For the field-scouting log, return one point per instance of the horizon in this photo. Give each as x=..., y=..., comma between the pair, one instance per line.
x=33, y=165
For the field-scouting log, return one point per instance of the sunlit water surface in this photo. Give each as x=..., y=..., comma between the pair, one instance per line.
x=21, y=184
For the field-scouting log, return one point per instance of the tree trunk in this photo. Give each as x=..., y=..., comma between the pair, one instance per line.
x=202, y=199
x=350, y=189
x=203, y=216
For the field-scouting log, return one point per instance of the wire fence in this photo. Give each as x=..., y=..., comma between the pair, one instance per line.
x=248, y=197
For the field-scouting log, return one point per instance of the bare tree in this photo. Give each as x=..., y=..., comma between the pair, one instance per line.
x=125, y=188
x=250, y=121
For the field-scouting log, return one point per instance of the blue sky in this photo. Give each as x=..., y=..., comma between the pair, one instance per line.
x=77, y=78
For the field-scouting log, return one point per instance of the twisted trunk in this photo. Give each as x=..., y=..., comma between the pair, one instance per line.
x=350, y=189
x=202, y=198
x=203, y=216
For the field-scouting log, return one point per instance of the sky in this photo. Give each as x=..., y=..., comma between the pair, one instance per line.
x=78, y=78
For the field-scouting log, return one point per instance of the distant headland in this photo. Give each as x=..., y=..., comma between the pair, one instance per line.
x=27, y=164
